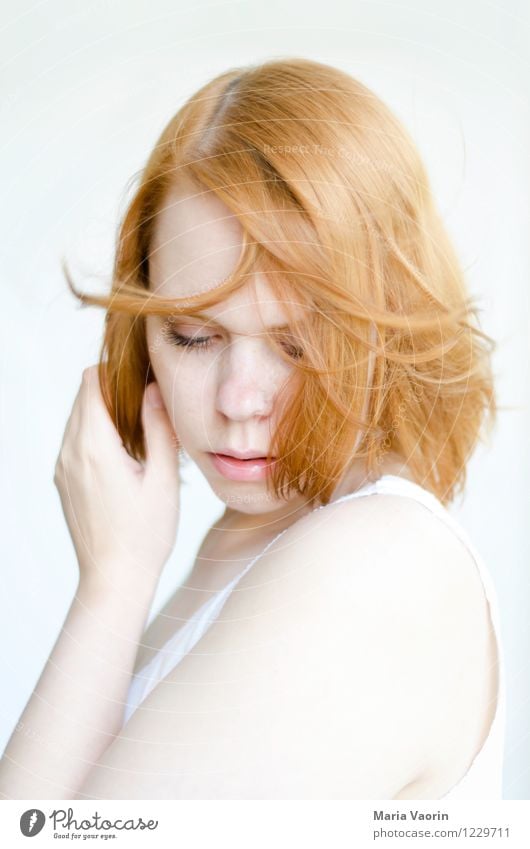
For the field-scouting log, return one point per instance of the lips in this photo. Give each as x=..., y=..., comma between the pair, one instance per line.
x=253, y=468
x=241, y=455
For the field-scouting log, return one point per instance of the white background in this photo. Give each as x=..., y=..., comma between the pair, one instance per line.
x=86, y=88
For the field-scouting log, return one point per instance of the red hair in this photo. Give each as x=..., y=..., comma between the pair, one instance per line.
x=336, y=208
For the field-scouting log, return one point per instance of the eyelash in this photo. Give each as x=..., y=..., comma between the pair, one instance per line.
x=197, y=342
x=203, y=342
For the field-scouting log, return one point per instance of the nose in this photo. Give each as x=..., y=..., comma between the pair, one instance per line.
x=248, y=380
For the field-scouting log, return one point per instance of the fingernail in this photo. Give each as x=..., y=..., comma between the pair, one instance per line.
x=154, y=397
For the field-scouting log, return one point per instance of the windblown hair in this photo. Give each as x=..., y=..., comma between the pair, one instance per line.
x=336, y=208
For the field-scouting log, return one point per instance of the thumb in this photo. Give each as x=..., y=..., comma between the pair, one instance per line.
x=161, y=443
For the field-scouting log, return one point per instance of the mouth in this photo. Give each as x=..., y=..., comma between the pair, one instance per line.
x=241, y=469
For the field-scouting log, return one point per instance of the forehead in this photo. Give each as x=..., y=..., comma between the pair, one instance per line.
x=196, y=244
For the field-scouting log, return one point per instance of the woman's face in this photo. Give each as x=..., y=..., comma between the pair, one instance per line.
x=221, y=388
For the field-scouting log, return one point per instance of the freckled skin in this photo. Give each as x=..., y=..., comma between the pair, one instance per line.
x=223, y=394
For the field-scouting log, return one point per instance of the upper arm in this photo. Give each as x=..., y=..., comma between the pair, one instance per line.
x=321, y=678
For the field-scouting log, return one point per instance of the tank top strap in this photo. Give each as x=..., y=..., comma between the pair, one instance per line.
x=271, y=542
x=366, y=489
x=383, y=484
x=395, y=485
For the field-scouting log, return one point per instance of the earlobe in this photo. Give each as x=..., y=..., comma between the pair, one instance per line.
x=153, y=396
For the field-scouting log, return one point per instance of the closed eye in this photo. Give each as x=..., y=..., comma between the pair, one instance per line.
x=190, y=341
x=204, y=342
x=293, y=351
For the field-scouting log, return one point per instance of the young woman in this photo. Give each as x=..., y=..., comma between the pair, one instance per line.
x=288, y=313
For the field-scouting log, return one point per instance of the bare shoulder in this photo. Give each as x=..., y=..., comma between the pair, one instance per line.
x=380, y=563
x=335, y=668
x=395, y=596
x=387, y=544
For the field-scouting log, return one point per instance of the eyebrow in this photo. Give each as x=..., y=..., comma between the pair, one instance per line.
x=208, y=319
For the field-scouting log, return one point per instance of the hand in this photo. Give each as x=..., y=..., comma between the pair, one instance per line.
x=122, y=515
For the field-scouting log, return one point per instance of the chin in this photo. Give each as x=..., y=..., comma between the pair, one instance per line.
x=251, y=503
x=252, y=498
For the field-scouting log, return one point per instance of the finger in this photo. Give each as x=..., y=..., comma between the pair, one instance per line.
x=161, y=443
x=95, y=414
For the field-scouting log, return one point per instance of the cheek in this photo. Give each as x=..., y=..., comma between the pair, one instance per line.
x=184, y=388
x=155, y=336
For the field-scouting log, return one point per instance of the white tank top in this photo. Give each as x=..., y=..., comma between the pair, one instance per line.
x=483, y=780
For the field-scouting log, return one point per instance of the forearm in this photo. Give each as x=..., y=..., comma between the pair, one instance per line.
x=77, y=706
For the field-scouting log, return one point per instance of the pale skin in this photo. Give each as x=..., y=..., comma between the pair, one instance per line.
x=354, y=661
